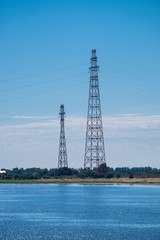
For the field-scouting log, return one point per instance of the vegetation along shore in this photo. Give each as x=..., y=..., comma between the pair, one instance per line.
x=102, y=175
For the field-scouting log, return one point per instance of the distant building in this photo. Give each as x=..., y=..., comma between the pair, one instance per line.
x=2, y=171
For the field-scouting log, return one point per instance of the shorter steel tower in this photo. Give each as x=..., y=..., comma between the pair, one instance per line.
x=62, y=157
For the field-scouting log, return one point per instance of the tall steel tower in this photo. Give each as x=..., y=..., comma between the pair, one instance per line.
x=62, y=157
x=94, y=146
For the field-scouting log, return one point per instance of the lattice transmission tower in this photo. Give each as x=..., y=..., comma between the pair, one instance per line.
x=94, y=146
x=62, y=157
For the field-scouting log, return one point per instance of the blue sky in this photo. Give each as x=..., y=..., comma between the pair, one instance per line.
x=45, y=50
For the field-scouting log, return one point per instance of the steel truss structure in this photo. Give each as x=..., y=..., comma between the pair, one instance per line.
x=62, y=157
x=94, y=145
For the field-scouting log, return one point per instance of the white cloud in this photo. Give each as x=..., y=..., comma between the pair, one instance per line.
x=130, y=121
x=129, y=139
x=33, y=117
x=122, y=121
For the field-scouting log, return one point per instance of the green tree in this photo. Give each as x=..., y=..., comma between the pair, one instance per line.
x=102, y=168
x=131, y=176
x=110, y=175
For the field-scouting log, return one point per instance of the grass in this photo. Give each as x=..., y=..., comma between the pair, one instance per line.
x=155, y=181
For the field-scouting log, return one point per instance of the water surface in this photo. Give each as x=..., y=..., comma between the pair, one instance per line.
x=78, y=212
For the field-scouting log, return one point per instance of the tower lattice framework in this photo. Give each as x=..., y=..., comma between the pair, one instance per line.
x=94, y=146
x=62, y=157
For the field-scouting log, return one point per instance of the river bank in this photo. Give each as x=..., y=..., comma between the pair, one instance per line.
x=155, y=181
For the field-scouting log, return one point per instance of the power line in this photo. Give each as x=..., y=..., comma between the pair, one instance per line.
x=44, y=92
x=125, y=82
x=130, y=91
x=131, y=75
x=41, y=82
x=42, y=73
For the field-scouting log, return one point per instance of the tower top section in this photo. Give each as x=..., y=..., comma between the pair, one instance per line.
x=94, y=66
x=62, y=110
x=94, y=52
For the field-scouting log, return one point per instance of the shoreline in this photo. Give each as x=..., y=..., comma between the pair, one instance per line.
x=88, y=181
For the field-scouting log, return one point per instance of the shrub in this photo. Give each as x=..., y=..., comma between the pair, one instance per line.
x=131, y=176
x=110, y=175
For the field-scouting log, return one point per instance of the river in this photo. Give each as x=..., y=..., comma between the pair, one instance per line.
x=79, y=212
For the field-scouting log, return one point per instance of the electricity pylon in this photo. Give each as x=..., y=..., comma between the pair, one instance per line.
x=62, y=157
x=94, y=146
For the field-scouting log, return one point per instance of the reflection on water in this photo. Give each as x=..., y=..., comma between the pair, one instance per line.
x=67, y=212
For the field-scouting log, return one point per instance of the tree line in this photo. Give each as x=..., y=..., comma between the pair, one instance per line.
x=101, y=172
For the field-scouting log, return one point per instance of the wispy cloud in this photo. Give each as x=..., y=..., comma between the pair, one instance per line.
x=33, y=117
x=132, y=121
x=119, y=122
x=116, y=128
x=122, y=121
x=127, y=137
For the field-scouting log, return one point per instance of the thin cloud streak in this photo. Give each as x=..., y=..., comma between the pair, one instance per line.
x=124, y=127
x=116, y=122
x=125, y=121
x=33, y=117
x=128, y=139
